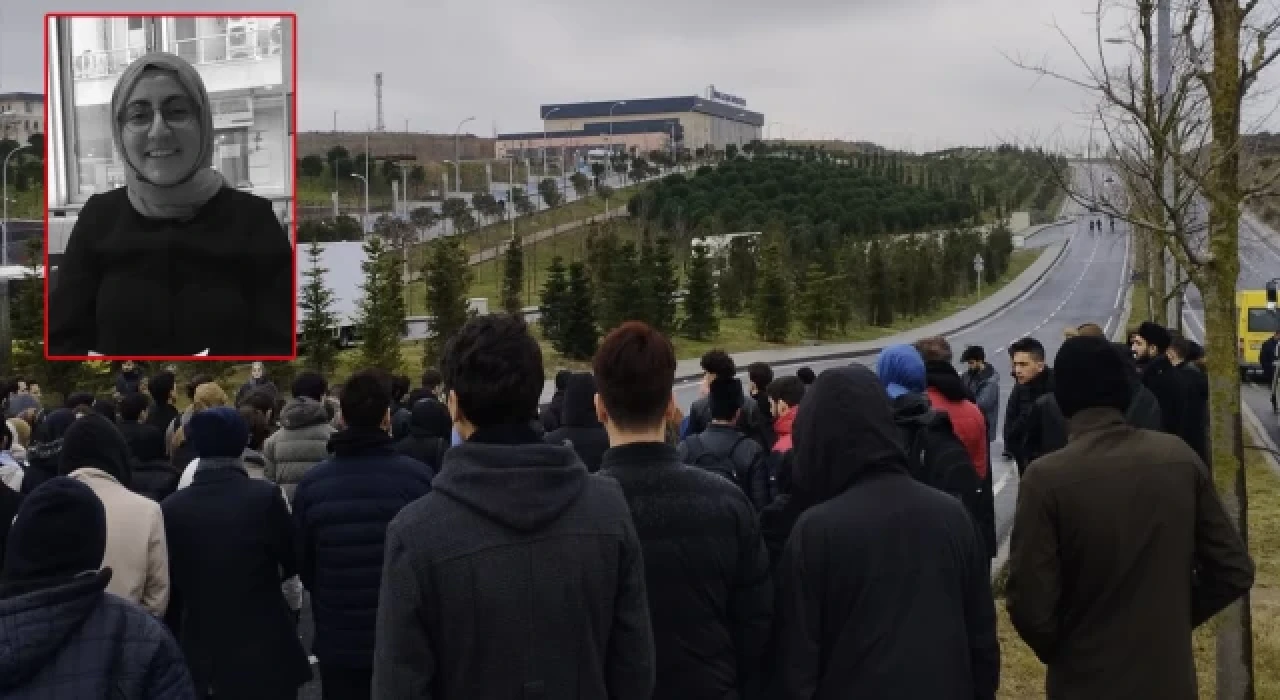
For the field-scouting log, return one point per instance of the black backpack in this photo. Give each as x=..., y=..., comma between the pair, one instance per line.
x=936, y=457
x=697, y=454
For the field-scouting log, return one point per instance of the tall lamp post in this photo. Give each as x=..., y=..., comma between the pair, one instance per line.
x=365, y=221
x=4, y=194
x=551, y=111
x=457, y=159
x=611, y=108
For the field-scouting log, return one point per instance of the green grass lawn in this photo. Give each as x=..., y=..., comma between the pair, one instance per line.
x=26, y=205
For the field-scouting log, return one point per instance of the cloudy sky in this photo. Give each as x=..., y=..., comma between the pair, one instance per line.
x=917, y=74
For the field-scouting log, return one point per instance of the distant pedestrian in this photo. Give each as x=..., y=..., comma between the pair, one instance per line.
x=983, y=382
x=706, y=568
x=552, y=413
x=342, y=507
x=718, y=364
x=429, y=434
x=885, y=584
x=579, y=426
x=554, y=605
x=161, y=411
x=806, y=375
x=1034, y=379
x=231, y=544
x=61, y=634
x=303, y=439
x=257, y=380
x=1195, y=387
x=1151, y=347
x=722, y=448
x=1118, y=510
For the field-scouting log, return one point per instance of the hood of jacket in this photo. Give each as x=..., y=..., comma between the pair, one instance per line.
x=843, y=431
x=355, y=441
x=430, y=418
x=911, y=409
x=303, y=413
x=944, y=377
x=901, y=370
x=579, y=402
x=34, y=626
x=524, y=487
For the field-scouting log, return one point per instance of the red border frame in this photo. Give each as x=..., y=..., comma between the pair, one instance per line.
x=293, y=225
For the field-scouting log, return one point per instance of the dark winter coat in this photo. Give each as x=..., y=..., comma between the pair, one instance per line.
x=152, y=474
x=579, y=426
x=750, y=461
x=9, y=502
x=1195, y=415
x=1120, y=548
x=128, y=383
x=252, y=384
x=231, y=543
x=1049, y=430
x=1162, y=378
x=129, y=285
x=1267, y=357
x=430, y=434
x=75, y=640
x=984, y=385
x=885, y=584
x=1018, y=417
x=752, y=422
x=550, y=414
x=706, y=573
x=342, y=507
x=529, y=567
x=160, y=416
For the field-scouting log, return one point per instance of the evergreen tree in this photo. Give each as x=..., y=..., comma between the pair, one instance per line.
x=772, y=308
x=622, y=292
x=513, y=276
x=730, y=287
x=579, y=334
x=700, y=322
x=447, y=276
x=660, y=279
x=816, y=303
x=317, y=317
x=879, y=286
x=555, y=299
x=381, y=307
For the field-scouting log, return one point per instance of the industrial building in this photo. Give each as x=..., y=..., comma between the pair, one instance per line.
x=713, y=120
x=21, y=115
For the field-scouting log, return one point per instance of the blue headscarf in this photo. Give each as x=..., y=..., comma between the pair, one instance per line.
x=901, y=370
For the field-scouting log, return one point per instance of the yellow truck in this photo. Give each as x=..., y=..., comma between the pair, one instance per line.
x=1258, y=321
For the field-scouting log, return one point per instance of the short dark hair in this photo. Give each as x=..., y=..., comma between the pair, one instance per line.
x=1181, y=347
x=161, y=386
x=1029, y=345
x=106, y=408
x=1091, y=329
x=494, y=366
x=132, y=405
x=260, y=399
x=431, y=379
x=366, y=399
x=974, y=353
x=399, y=387
x=635, y=368
x=724, y=398
x=760, y=375
x=257, y=423
x=719, y=363
x=562, y=379
x=78, y=399
x=934, y=348
x=309, y=385
x=195, y=382
x=806, y=375
x=789, y=389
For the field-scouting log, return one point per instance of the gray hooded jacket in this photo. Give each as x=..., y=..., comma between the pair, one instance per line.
x=301, y=443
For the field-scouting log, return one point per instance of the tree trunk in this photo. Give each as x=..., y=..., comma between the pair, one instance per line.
x=1155, y=264
x=1233, y=625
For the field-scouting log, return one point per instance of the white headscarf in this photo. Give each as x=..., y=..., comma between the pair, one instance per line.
x=184, y=199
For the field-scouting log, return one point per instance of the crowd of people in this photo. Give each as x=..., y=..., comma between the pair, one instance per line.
x=806, y=536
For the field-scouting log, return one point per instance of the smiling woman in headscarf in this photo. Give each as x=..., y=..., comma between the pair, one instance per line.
x=176, y=262
x=885, y=590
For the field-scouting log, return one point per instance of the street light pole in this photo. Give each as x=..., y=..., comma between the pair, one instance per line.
x=457, y=159
x=544, y=138
x=365, y=222
x=4, y=194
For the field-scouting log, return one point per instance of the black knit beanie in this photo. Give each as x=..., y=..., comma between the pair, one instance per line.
x=1090, y=373
x=93, y=441
x=218, y=432
x=60, y=531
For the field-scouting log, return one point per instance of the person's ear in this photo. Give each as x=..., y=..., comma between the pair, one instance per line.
x=602, y=414
x=673, y=409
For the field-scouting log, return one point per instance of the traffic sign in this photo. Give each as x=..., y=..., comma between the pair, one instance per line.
x=978, y=263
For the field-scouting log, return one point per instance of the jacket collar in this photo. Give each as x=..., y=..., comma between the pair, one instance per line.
x=87, y=474
x=1093, y=419
x=216, y=476
x=641, y=455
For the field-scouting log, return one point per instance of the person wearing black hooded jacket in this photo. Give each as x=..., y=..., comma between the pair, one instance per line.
x=1034, y=379
x=430, y=429
x=579, y=426
x=1159, y=375
x=551, y=414
x=886, y=590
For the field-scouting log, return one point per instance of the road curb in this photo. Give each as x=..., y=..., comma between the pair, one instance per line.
x=818, y=356
x=1261, y=437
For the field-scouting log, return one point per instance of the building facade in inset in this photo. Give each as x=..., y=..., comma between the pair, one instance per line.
x=21, y=116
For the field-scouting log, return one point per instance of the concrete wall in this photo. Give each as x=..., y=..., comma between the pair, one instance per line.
x=424, y=147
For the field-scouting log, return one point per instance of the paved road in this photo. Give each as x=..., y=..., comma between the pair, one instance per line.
x=1086, y=287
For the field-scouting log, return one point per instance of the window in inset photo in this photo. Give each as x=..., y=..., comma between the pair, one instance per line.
x=171, y=175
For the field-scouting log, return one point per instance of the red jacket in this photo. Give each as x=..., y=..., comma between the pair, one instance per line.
x=968, y=424
x=782, y=426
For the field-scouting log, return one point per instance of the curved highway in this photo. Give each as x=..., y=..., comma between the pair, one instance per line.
x=1087, y=286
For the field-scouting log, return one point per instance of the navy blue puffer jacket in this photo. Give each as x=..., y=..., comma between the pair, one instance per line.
x=75, y=640
x=342, y=507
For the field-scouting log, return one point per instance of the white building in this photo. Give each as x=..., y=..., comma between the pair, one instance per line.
x=247, y=67
x=21, y=115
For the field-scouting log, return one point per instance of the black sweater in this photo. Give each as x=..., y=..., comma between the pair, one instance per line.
x=129, y=285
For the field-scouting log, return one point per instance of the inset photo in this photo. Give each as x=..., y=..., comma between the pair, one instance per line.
x=170, y=187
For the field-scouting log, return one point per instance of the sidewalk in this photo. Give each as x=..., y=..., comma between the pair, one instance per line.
x=1010, y=294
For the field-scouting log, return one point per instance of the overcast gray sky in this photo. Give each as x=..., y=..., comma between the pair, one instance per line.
x=918, y=74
